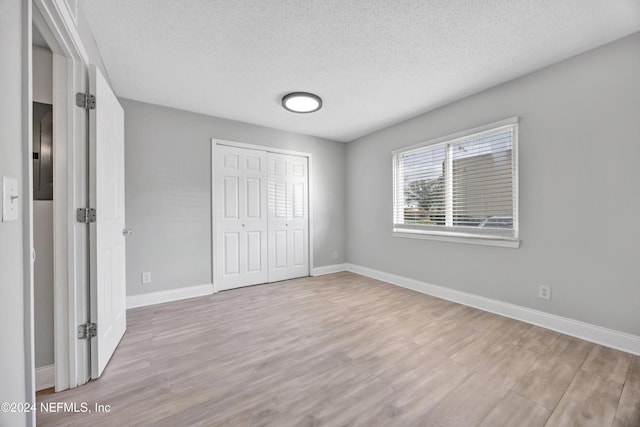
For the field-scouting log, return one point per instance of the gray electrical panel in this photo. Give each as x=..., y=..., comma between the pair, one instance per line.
x=42, y=151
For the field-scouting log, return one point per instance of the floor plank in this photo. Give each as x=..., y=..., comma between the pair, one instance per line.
x=344, y=349
x=590, y=401
x=546, y=382
x=470, y=402
x=537, y=339
x=516, y=409
x=629, y=406
x=570, y=351
x=607, y=363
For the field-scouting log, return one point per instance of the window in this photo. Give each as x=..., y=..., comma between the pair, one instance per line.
x=461, y=187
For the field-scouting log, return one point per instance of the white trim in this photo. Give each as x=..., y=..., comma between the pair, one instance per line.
x=453, y=137
x=62, y=26
x=45, y=377
x=63, y=261
x=328, y=269
x=169, y=295
x=212, y=180
x=310, y=211
x=471, y=240
x=258, y=147
x=28, y=254
x=586, y=331
x=57, y=24
x=515, y=135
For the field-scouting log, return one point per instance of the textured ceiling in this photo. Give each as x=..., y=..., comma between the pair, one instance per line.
x=374, y=62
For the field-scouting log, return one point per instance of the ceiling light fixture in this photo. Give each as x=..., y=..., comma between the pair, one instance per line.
x=301, y=102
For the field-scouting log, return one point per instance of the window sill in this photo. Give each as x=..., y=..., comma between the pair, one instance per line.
x=505, y=242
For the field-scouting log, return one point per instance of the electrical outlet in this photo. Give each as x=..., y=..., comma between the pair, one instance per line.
x=146, y=277
x=335, y=255
x=544, y=292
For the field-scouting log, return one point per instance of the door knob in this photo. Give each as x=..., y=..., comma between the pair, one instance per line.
x=127, y=232
x=243, y=225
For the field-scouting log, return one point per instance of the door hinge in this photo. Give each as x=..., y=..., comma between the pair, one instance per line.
x=87, y=331
x=86, y=215
x=86, y=101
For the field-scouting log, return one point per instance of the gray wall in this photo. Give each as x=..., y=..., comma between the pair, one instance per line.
x=579, y=198
x=42, y=75
x=15, y=370
x=168, y=192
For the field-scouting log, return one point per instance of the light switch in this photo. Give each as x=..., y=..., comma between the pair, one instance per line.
x=9, y=199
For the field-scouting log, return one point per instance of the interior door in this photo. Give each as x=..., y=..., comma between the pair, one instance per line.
x=107, y=241
x=241, y=220
x=288, y=214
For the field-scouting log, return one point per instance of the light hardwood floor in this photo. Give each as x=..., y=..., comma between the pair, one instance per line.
x=344, y=349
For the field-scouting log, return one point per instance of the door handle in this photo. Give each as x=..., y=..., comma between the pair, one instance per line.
x=127, y=232
x=243, y=225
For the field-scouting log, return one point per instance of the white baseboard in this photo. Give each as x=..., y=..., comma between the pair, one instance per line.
x=586, y=331
x=159, y=297
x=45, y=377
x=328, y=269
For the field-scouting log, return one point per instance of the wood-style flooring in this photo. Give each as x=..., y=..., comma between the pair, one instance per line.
x=344, y=349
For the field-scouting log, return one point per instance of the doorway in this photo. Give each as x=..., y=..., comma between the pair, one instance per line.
x=88, y=172
x=53, y=32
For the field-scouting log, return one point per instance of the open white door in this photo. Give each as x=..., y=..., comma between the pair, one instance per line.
x=107, y=247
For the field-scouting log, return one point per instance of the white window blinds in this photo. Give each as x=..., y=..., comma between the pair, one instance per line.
x=463, y=184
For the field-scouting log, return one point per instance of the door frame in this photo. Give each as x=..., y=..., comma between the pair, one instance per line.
x=269, y=149
x=57, y=23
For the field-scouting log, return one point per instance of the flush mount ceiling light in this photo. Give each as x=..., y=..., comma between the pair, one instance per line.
x=301, y=102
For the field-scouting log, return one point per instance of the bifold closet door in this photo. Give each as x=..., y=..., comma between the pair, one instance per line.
x=288, y=216
x=241, y=217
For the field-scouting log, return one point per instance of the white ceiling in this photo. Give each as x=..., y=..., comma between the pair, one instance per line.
x=374, y=62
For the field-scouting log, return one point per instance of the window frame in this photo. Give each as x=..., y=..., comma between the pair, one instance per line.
x=495, y=237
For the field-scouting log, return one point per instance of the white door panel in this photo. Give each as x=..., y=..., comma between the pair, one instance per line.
x=107, y=251
x=299, y=252
x=254, y=251
x=279, y=256
x=254, y=199
x=241, y=217
x=231, y=198
x=288, y=213
x=231, y=254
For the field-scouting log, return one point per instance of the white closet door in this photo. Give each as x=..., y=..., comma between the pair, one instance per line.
x=241, y=217
x=288, y=213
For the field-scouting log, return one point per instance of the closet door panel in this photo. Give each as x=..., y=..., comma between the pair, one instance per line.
x=240, y=178
x=288, y=216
